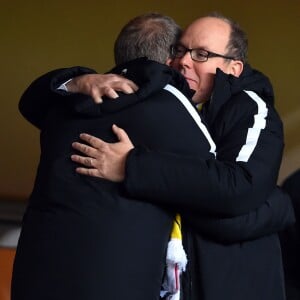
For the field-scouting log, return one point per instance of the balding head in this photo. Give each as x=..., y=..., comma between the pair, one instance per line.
x=217, y=42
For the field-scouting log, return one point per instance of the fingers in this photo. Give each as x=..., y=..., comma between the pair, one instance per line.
x=96, y=95
x=88, y=172
x=89, y=166
x=119, y=84
x=126, y=86
x=121, y=134
x=85, y=149
x=98, y=92
x=133, y=86
x=108, y=85
x=89, y=169
x=110, y=93
x=91, y=140
x=86, y=161
x=100, y=85
x=101, y=159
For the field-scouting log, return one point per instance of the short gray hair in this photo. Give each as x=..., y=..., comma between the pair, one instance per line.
x=150, y=35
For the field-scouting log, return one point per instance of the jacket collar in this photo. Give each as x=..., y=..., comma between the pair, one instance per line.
x=226, y=86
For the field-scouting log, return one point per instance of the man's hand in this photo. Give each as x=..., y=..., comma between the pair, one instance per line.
x=99, y=85
x=103, y=159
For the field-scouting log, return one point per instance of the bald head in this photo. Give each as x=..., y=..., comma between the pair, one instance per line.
x=207, y=33
x=223, y=43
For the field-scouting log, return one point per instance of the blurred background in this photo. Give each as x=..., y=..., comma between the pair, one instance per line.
x=38, y=36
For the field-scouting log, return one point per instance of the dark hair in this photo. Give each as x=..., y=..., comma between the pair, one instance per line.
x=238, y=42
x=150, y=35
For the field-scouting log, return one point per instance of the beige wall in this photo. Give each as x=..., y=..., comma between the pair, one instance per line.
x=37, y=36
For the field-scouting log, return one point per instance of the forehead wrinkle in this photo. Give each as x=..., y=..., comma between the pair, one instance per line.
x=208, y=33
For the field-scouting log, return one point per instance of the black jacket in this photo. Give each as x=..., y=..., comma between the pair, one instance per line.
x=82, y=238
x=216, y=224
x=249, y=137
x=230, y=116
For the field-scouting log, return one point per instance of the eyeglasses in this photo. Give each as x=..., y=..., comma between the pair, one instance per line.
x=197, y=54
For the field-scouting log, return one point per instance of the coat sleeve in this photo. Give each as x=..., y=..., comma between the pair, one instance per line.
x=276, y=214
x=43, y=93
x=232, y=185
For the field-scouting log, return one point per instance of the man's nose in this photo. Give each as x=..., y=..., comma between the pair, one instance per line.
x=186, y=60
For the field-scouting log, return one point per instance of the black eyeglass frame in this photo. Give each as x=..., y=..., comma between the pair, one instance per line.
x=208, y=55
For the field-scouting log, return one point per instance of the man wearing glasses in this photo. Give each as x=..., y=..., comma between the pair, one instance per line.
x=238, y=107
x=239, y=110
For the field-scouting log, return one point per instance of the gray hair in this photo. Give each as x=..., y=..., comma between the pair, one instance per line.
x=150, y=35
x=238, y=42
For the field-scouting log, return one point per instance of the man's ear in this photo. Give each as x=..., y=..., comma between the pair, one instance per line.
x=169, y=62
x=236, y=68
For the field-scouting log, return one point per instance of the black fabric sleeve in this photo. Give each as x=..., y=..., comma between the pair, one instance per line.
x=223, y=187
x=274, y=215
x=42, y=93
x=204, y=186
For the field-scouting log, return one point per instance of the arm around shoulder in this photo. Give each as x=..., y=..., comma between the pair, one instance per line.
x=43, y=92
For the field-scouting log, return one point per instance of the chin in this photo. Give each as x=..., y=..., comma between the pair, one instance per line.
x=192, y=84
x=198, y=97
